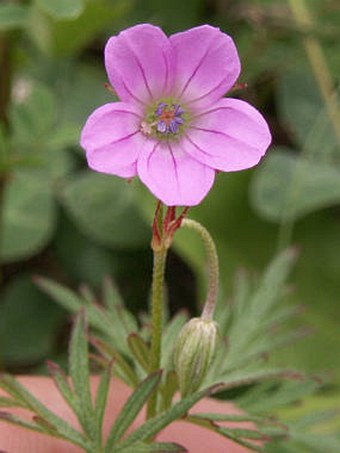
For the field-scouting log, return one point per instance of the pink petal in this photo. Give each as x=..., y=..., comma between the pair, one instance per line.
x=172, y=175
x=112, y=140
x=208, y=65
x=139, y=64
x=232, y=135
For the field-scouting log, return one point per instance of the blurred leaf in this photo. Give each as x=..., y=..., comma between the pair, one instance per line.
x=29, y=323
x=66, y=37
x=58, y=163
x=76, y=103
x=60, y=9
x=28, y=215
x=65, y=136
x=33, y=115
x=103, y=208
x=288, y=187
x=302, y=109
x=167, y=13
x=268, y=397
x=13, y=16
x=82, y=260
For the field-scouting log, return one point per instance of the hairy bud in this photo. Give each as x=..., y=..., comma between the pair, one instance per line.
x=194, y=351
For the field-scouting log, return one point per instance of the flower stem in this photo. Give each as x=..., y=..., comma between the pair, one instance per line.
x=213, y=278
x=159, y=259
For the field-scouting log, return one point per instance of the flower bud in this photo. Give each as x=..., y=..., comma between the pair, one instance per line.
x=194, y=351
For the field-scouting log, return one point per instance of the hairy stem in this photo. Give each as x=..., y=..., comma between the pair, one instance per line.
x=157, y=289
x=213, y=277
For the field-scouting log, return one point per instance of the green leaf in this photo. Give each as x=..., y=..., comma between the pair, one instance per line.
x=246, y=377
x=111, y=295
x=13, y=16
x=28, y=215
x=237, y=435
x=140, y=350
x=233, y=418
x=122, y=367
x=287, y=187
x=132, y=408
x=156, y=424
x=159, y=447
x=63, y=430
x=112, y=326
x=234, y=435
x=80, y=375
x=101, y=398
x=249, y=333
x=62, y=9
x=10, y=402
x=64, y=296
x=18, y=421
x=103, y=209
x=61, y=382
x=29, y=324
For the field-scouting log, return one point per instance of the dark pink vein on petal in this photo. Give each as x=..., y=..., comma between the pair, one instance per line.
x=166, y=72
x=224, y=134
x=216, y=109
x=130, y=93
x=207, y=52
x=218, y=86
x=141, y=70
x=197, y=147
x=175, y=166
x=117, y=141
x=150, y=155
x=126, y=111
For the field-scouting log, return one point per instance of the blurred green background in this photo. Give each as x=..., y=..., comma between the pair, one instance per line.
x=60, y=220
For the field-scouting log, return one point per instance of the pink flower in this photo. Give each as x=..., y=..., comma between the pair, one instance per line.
x=173, y=127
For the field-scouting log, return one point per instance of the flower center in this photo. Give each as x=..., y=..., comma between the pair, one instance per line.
x=169, y=118
x=166, y=120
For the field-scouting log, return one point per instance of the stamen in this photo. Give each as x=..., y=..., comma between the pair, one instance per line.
x=166, y=119
x=169, y=118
